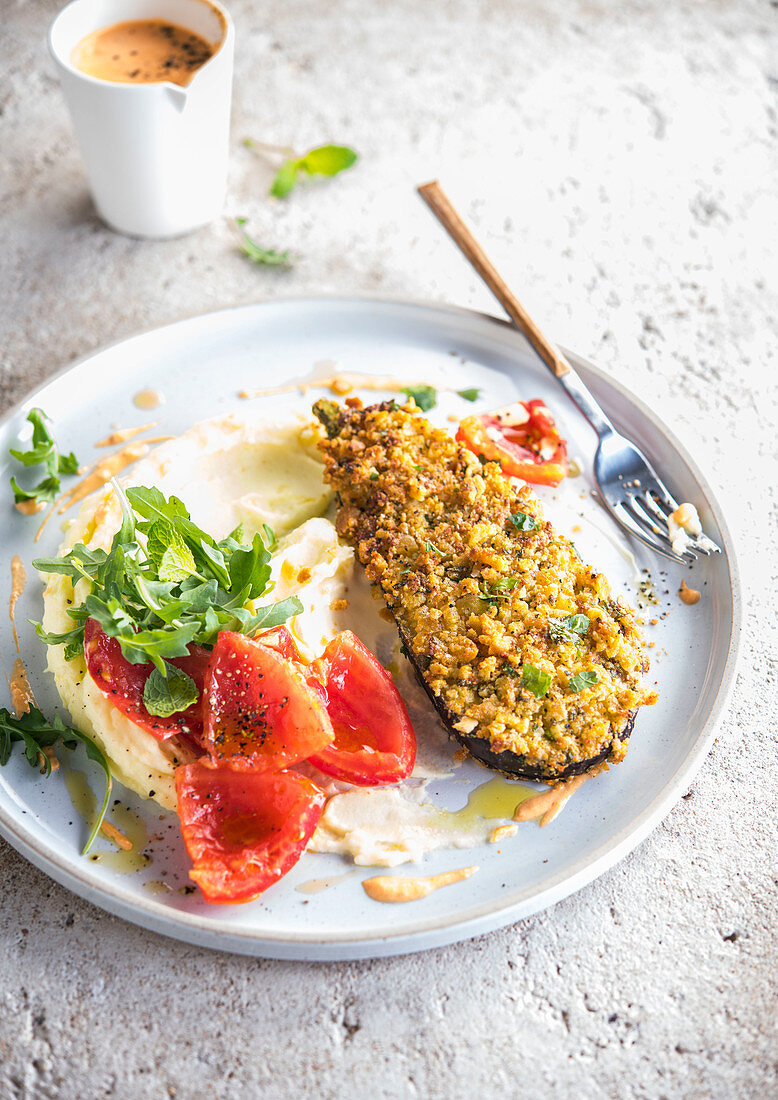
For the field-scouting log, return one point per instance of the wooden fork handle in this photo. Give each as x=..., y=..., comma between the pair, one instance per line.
x=441, y=206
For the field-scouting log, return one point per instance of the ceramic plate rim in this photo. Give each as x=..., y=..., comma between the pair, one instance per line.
x=435, y=931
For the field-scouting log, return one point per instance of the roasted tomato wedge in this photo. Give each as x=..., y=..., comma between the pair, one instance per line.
x=124, y=683
x=523, y=438
x=374, y=739
x=260, y=710
x=243, y=829
x=281, y=641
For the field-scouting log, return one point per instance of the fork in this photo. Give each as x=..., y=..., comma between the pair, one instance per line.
x=628, y=484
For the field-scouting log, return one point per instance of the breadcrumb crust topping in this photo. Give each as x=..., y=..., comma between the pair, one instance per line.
x=479, y=596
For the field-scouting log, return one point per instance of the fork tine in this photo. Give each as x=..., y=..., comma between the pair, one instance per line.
x=630, y=525
x=641, y=507
x=700, y=543
x=649, y=527
x=659, y=496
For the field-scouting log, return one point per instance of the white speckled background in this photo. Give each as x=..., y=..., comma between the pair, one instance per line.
x=619, y=162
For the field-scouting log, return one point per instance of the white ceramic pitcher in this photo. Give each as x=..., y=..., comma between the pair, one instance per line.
x=156, y=154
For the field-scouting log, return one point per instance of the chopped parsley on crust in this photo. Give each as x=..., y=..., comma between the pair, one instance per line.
x=528, y=658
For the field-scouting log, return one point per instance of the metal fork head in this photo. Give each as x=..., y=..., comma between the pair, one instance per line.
x=639, y=500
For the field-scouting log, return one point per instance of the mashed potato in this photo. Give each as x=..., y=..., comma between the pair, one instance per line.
x=227, y=471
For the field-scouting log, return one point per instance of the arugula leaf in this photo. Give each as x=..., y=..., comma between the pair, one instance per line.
x=470, y=395
x=271, y=257
x=324, y=160
x=36, y=734
x=565, y=630
x=523, y=521
x=582, y=680
x=74, y=648
x=67, y=638
x=166, y=584
x=426, y=397
x=273, y=615
x=270, y=537
x=169, y=692
x=67, y=464
x=535, y=680
x=156, y=644
x=250, y=569
x=44, y=492
x=81, y=562
x=43, y=452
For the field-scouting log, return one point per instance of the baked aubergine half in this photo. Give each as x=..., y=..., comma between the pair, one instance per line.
x=531, y=663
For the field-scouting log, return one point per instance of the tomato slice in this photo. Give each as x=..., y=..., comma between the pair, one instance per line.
x=523, y=438
x=260, y=711
x=243, y=829
x=281, y=641
x=374, y=740
x=124, y=682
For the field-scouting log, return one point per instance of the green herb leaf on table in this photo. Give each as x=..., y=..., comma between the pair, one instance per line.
x=167, y=694
x=43, y=452
x=271, y=257
x=582, y=680
x=286, y=179
x=535, y=680
x=36, y=733
x=426, y=397
x=165, y=584
x=469, y=395
x=324, y=160
x=522, y=521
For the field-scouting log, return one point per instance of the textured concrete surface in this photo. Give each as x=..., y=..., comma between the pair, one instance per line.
x=620, y=163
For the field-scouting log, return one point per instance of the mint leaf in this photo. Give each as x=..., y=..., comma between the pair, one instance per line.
x=523, y=521
x=500, y=589
x=270, y=257
x=426, y=397
x=168, y=694
x=582, y=680
x=469, y=395
x=535, y=680
x=158, y=537
x=177, y=562
x=565, y=630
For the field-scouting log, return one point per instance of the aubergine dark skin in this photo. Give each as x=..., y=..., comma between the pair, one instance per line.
x=507, y=762
x=530, y=662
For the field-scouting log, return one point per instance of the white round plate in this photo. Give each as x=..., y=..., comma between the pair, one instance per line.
x=201, y=365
